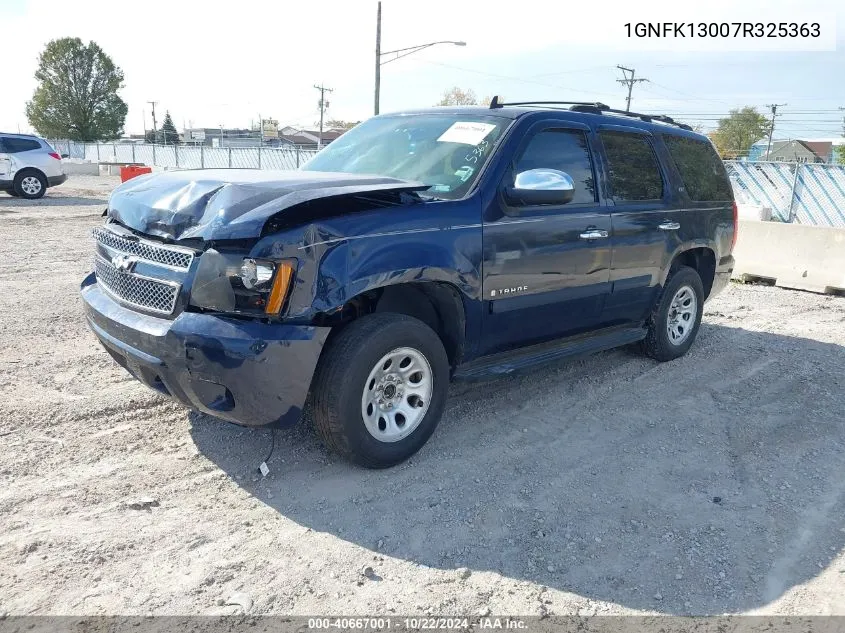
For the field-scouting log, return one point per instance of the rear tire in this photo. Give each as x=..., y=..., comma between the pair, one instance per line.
x=380, y=389
x=675, y=319
x=30, y=184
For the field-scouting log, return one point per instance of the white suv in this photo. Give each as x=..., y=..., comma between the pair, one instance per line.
x=28, y=165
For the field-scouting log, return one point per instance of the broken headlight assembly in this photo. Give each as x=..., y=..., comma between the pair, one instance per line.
x=228, y=282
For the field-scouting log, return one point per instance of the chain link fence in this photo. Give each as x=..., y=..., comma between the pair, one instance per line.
x=188, y=156
x=805, y=193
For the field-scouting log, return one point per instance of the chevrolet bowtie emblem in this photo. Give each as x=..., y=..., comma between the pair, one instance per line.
x=124, y=263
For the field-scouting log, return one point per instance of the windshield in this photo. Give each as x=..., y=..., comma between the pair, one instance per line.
x=445, y=151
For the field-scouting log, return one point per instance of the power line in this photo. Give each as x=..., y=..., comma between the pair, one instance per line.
x=692, y=97
x=571, y=72
x=518, y=79
x=629, y=81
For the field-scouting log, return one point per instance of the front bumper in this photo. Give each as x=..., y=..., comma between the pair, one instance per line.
x=246, y=372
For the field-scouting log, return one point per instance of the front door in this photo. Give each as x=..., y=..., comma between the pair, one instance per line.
x=546, y=268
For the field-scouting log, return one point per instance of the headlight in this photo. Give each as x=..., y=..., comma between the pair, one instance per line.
x=256, y=273
x=231, y=283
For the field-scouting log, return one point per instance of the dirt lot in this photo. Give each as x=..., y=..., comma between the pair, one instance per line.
x=610, y=485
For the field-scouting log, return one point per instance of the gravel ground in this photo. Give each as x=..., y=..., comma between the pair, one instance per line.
x=713, y=484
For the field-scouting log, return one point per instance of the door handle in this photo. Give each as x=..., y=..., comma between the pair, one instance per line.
x=593, y=234
x=669, y=226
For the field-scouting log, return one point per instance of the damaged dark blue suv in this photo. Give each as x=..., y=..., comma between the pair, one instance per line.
x=417, y=248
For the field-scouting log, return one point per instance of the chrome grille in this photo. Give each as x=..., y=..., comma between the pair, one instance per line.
x=141, y=292
x=142, y=249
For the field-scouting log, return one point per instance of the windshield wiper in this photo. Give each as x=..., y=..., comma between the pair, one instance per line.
x=429, y=197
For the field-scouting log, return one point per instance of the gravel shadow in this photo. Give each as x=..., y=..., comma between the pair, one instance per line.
x=10, y=202
x=707, y=485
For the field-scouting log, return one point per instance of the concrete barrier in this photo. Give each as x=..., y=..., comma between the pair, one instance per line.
x=791, y=255
x=78, y=167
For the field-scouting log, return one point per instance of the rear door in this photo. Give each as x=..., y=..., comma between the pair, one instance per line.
x=5, y=163
x=546, y=267
x=707, y=219
x=24, y=152
x=645, y=218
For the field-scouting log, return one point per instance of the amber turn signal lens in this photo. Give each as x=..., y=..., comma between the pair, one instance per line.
x=281, y=285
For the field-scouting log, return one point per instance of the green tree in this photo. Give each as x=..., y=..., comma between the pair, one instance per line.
x=839, y=154
x=168, y=134
x=76, y=97
x=737, y=132
x=457, y=96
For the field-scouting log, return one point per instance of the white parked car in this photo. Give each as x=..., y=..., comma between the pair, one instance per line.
x=28, y=165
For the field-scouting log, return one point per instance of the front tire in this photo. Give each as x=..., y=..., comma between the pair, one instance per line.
x=674, y=322
x=30, y=184
x=380, y=389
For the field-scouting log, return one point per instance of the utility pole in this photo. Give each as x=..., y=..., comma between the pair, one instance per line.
x=155, y=127
x=774, y=108
x=323, y=105
x=378, y=57
x=628, y=81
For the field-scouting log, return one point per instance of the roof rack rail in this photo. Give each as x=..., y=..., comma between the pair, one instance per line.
x=495, y=103
x=593, y=107
x=648, y=118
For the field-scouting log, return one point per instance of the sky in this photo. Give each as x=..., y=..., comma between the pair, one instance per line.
x=212, y=63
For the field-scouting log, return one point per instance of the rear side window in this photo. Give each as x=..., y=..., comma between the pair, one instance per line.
x=15, y=145
x=701, y=169
x=634, y=171
x=564, y=150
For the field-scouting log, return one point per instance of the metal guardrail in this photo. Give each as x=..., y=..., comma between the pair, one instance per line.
x=804, y=193
x=188, y=156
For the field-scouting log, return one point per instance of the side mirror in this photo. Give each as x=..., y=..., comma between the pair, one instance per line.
x=541, y=186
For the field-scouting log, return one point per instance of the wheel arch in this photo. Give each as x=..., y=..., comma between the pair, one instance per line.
x=29, y=169
x=701, y=258
x=438, y=304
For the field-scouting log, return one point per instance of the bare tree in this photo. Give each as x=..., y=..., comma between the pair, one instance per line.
x=457, y=96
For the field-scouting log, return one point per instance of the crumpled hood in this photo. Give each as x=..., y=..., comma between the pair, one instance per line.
x=229, y=203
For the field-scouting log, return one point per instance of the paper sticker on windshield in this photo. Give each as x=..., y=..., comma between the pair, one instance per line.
x=466, y=133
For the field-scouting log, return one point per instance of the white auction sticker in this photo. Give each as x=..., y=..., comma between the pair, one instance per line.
x=466, y=133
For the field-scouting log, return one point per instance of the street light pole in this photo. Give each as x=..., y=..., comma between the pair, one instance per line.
x=400, y=52
x=378, y=57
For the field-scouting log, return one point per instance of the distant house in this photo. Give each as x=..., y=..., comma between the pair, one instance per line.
x=132, y=138
x=307, y=138
x=795, y=150
x=225, y=137
x=243, y=137
x=822, y=149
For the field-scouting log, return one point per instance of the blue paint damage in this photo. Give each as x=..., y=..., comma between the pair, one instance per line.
x=349, y=235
